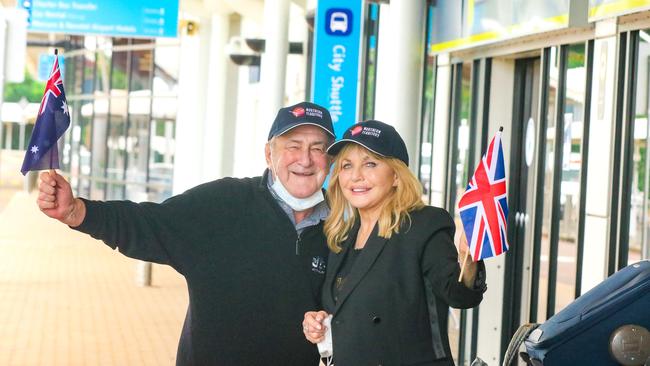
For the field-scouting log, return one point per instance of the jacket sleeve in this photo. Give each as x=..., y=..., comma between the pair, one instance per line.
x=160, y=233
x=440, y=266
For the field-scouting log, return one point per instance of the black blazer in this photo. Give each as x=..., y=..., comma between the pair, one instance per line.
x=392, y=308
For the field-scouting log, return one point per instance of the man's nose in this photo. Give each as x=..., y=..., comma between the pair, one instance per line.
x=305, y=157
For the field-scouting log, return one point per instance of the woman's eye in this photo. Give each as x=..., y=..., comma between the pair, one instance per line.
x=371, y=164
x=346, y=166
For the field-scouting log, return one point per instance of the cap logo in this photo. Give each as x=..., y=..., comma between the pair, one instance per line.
x=357, y=130
x=312, y=112
x=370, y=131
x=298, y=112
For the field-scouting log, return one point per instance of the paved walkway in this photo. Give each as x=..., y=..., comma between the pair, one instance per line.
x=66, y=299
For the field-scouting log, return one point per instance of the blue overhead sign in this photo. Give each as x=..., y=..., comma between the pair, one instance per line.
x=142, y=18
x=335, y=75
x=45, y=62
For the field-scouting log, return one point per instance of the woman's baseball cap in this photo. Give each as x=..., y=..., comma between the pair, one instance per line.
x=300, y=114
x=378, y=137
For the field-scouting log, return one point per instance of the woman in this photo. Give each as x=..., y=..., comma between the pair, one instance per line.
x=393, y=268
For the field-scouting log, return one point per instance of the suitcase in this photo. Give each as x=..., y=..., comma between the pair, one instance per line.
x=580, y=334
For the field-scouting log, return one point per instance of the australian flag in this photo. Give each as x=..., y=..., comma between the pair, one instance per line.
x=484, y=207
x=52, y=121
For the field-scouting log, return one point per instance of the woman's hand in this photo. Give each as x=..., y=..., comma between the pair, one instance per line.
x=312, y=326
x=471, y=267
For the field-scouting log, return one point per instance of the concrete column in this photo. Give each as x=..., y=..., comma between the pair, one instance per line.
x=218, y=137
x=274, y=65
x=600, y=164
x=192, y=86
x=401, y=101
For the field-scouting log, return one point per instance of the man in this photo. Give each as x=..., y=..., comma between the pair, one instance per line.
x=252, y=250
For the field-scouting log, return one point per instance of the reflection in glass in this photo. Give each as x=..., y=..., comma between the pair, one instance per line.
x=371, y=40
x=120, y=135
x=639, y=207
x=137, y=146
x=102, y=71
x=428, y=102
x=116, y=146
x=574, y=107
x=141, y=67
x=165, y=81
x=462, y=133
x=161, y=159
x=548, y=184
x=119, y=73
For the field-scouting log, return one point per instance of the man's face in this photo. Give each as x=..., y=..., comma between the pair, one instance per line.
x=299, y=159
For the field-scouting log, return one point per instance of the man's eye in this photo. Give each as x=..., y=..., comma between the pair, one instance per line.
x=318, y=149
x=292, y=147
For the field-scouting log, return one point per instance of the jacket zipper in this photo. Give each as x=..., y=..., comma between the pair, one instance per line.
x=298, y=245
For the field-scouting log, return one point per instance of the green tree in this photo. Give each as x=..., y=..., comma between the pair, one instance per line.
x=31, y=89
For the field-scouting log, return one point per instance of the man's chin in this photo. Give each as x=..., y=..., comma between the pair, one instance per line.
x=300, y=194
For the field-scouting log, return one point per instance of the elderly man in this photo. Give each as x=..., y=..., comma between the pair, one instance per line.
x=251, y=250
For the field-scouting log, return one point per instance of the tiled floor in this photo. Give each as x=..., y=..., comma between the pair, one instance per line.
x=67, y=299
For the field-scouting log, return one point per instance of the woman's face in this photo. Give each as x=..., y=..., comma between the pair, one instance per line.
x=365, y=181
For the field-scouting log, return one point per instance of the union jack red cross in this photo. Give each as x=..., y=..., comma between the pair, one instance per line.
x=483, y=207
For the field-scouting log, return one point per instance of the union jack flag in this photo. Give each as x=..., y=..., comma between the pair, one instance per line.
x=52, y=121
x=484, y=207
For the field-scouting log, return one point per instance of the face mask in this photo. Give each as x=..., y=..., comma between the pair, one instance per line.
x=297, y=204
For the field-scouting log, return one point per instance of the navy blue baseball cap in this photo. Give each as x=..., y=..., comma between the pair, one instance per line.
x=378, y=137
x=300, y=114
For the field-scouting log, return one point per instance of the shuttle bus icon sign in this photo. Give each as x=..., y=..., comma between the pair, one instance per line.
x=338, y=22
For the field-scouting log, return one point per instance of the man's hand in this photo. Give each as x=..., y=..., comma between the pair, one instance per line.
x=55, y=199
x=313, y=326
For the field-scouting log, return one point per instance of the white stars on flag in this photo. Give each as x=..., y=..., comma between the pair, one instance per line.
x=34, y=149
x=64, y=106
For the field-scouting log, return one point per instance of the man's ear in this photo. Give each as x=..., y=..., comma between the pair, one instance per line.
x=267, y=154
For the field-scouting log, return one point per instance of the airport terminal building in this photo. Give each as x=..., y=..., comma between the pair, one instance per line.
x=569, y=81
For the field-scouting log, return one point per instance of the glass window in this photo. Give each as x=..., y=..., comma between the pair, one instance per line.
x=119, y=73
x=165, y=80
x=88, y=77
x=428, y=103
x=141, y=68
x=103, y=71
x=137, y=148
x=460, y=170
x=99, y=115
x=548, y=184
x=161, y=159
x=574, y=107
x=109, y=149
x=116, y=147
x=639, y=208
x=371, y=40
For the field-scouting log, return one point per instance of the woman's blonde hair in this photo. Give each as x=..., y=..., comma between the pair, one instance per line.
x=405, y=197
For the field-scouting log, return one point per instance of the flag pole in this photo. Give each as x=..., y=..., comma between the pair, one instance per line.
x=462, y=267
x=56, y=54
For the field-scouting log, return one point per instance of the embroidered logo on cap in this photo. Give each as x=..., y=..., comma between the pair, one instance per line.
x=298, y=112
x=357, y=130
x=370, y=131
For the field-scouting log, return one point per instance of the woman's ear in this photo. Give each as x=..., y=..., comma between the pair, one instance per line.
x=395, y=179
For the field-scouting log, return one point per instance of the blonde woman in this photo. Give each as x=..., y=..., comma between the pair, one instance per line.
x=393, y=268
